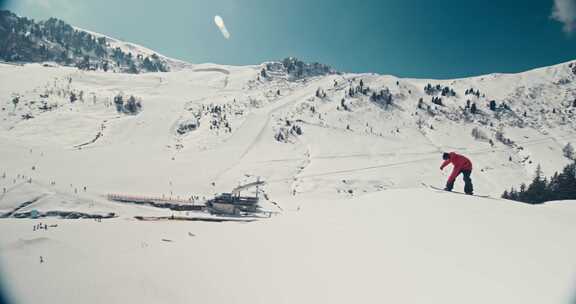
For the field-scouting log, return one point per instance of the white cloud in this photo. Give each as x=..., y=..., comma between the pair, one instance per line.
x=564, y=11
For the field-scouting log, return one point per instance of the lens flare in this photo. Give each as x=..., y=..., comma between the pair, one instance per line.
x=221, y=26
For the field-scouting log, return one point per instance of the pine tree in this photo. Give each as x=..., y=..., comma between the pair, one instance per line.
x=132, y=67
x=493, y=105
x=562, y=186
x=553, y=186
x=131, y=106
x=343, y=104
x=473, y=108
x=513, y=194
x=568, y=151
x=148, y=65
x=566, y=186
x=522, y=192
x=537, y=190
x=73, y=97
x=15, y=101
x=119, y=103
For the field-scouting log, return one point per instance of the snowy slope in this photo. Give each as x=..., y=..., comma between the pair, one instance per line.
x=351, y=215
x=364, y=148
x=399, y=246
x=136, y=49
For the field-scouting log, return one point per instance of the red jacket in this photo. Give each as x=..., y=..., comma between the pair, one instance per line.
x=460, y=163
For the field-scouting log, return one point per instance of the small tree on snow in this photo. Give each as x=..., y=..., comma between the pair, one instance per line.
x=131, y=106
x=343, y=104
x=492, y=105
x=73, y=97
x=119, y=103
x=473, y=108
x=568, y=151
x=15, y=101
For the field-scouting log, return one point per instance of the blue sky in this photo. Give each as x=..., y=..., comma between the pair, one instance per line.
x=409, y=38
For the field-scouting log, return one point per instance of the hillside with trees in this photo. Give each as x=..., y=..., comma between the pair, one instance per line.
x=561, y=186
x=24, y=40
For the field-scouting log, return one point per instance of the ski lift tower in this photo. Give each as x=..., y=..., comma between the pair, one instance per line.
x=240, y=188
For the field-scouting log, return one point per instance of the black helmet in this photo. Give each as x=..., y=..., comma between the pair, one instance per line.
x=445, y=156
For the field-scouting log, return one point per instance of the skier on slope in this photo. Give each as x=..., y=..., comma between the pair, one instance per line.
x=461, y=165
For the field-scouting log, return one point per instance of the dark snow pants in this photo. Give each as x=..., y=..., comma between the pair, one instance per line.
x=468, y=189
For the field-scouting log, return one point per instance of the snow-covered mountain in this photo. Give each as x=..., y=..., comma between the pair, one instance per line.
x=370, y=127
x=343, y=157
x=53, y=40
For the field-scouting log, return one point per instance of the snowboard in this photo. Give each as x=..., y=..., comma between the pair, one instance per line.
x=455, y=192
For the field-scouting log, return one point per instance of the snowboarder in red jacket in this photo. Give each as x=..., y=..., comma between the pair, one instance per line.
x=461, y=165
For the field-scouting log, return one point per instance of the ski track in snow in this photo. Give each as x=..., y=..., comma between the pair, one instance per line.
x=262, y=119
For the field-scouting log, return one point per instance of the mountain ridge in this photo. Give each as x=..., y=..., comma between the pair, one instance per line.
x=25, y=40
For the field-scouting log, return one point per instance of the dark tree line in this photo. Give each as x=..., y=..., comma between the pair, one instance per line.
x=437, y=100
x=495, y=107
x=471, y=106
x=297, y=69
x=561, y=186
x=359, y=89
x=444, y=91
x=284, y=133
x=382, y=97
x=472, y=92
x=128, y=105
